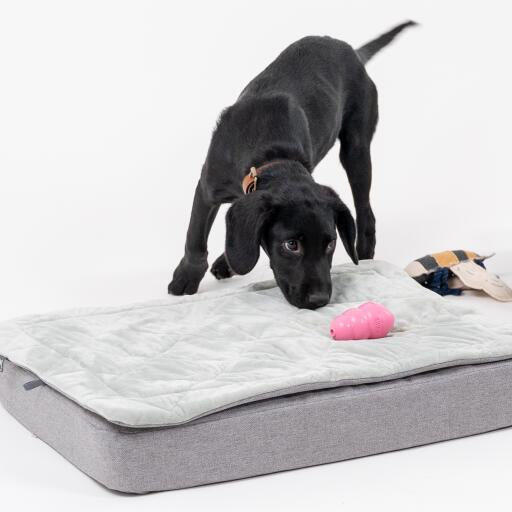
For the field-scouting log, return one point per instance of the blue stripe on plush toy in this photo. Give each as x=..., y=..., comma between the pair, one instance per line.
x=438, y=282
x=480, y=262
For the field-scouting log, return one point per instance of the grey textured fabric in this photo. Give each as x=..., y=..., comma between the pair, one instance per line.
x=272, y=435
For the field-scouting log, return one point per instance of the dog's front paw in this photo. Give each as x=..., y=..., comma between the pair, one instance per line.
x=186, y=278
x=220, y=268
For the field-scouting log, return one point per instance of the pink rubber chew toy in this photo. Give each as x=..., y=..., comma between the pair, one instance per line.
x=368, y=321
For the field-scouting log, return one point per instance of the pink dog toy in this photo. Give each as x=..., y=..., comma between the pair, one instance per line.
x=369, y=320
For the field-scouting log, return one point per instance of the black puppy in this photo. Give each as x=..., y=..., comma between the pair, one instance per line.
x=282, y=125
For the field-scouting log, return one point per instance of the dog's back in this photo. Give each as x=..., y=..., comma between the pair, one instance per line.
x=318, y=75
x=326, y=78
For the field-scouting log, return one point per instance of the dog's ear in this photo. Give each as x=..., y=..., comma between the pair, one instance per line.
x=347, y=229
x=245, y=221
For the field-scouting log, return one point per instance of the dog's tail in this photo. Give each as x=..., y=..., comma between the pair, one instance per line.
x=367, y=51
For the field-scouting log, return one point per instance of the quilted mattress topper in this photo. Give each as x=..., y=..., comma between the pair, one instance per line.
x=169, y=361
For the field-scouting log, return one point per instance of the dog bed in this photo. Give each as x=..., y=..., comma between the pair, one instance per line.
x=225, y=385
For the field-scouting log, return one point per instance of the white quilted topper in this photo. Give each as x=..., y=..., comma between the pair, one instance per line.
x=169, y=361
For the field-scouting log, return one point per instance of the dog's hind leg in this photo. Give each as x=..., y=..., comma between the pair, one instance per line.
x=190, y=271
x=355, y=139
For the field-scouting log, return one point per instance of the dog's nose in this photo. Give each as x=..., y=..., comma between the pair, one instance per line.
x=318, y=299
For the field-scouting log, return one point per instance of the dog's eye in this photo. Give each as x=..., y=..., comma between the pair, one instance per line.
x=331, y=246
x=291, y=245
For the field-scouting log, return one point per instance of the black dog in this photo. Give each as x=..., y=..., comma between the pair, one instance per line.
x=282, y=125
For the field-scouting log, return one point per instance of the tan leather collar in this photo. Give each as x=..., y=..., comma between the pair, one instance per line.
x=250, y=180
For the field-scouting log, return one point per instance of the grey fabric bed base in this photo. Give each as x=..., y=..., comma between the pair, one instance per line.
x=271, y=435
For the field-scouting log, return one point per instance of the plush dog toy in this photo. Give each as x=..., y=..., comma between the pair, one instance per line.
x=450, y=272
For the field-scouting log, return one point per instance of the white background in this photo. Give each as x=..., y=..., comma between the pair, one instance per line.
x=106, y=110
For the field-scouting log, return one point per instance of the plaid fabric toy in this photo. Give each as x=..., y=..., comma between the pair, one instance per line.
x=451, y=272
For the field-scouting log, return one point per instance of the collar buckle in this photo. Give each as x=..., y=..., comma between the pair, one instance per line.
x=250, y=180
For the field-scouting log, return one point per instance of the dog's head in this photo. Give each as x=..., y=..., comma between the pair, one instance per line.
x=298, y=233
